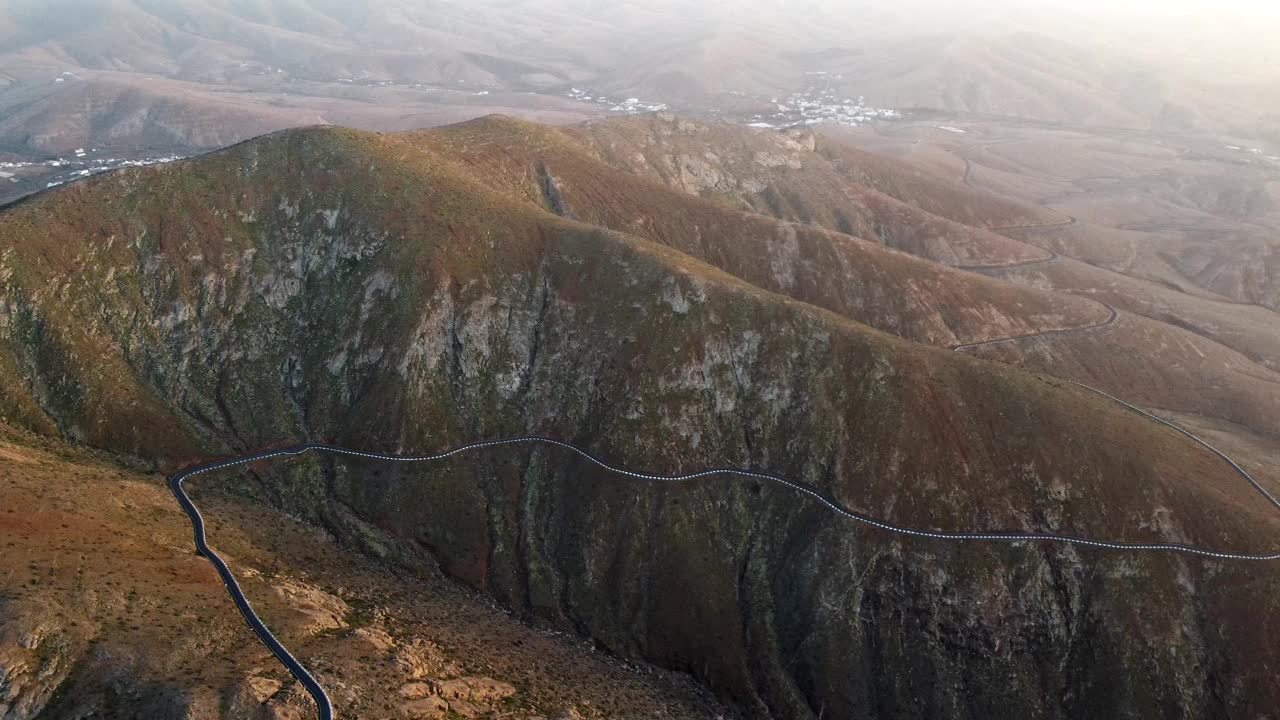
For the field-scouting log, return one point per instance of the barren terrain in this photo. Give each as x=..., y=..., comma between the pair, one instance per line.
x=670, y=294
x=871, y=247
x=104, y=608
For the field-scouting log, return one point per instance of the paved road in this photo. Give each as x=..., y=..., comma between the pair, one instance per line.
x=1195, y=438
x=1052, y=258
x=321, y=697
x=1070, y=220
x=819, y=495
x=233, y=588
x=968, y=180
x=1111, y=318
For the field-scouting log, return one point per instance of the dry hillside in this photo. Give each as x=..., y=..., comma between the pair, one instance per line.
x=412, y=292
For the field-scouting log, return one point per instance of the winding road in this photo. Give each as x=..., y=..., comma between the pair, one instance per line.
x=322, y=700
x=1150, y=416
x=1111, y=318
x=1068, y=221
x=324, y=704
x=259, y=628
x=1052, y=258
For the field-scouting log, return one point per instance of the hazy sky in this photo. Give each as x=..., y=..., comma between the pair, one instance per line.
x=1216, y=40
x=1227, y=41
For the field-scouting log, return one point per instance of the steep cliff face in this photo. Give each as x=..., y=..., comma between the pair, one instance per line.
x=330, y=284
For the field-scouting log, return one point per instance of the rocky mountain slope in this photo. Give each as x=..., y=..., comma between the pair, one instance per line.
x=106, y=612
x=391, y=292
x=122, y=115
x=806, y=177
x=887, y=290
x=1210, y=359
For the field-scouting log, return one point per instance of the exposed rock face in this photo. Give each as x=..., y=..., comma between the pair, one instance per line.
x=466, y=696
x=256, y=697
x=377, y=639
x=37, y=653
x=416, y=690
x=419, y=658
x=47, y=666
x=427, y=707
x=320, y=610
x=403, y=318
x=476, y=689
x=551, y=194
x=33, y=661
x=262, y=689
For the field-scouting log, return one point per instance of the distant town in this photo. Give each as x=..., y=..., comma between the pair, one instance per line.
x=818, y=103
x=60, y=170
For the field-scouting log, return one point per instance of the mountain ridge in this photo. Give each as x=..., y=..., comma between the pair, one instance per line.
x=334, y=283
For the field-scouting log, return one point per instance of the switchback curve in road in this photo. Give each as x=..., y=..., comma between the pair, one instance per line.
x=968, y=181
x=1068, y=221
x=1052, y=257
x=1112, y=314
x=1235, y=467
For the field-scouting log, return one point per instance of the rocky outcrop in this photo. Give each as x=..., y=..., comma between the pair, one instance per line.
x=49, y=667
x=420, y=658
x=465, y=696
x=428, y=707
x=551, y=195
x=384, y=306
x=475, y=689
x=318, y=610
x=37, y=654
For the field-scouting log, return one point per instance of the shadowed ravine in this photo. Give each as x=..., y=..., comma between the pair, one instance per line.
x=325, y=707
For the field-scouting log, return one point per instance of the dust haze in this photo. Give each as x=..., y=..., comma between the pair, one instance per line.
x=140, y=81
x=983, y=299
